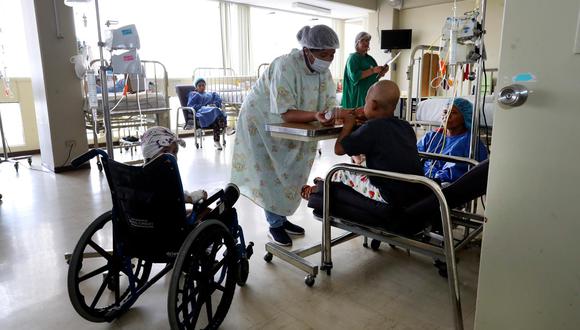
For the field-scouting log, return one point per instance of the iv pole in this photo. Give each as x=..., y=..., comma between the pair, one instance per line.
x=104, y=88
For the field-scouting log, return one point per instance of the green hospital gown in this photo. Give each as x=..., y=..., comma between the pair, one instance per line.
x=354, y=89
x=270, y=171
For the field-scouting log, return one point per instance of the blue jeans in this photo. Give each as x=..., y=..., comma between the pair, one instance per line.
x=274, y=219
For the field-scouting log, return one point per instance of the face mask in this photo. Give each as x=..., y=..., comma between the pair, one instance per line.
x=320, y=65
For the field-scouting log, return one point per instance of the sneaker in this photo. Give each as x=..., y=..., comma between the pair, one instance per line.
x=217, y=145
x=279, y=236
x=292, y=229
x=230, y=131
x=231, y=194
x=189, y=125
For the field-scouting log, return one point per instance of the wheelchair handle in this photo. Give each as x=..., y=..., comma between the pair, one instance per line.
x=80, y=160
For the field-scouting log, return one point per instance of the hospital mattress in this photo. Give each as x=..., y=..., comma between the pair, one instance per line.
x=131, y=102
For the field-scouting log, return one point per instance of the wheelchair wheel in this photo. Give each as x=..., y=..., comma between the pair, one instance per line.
x=98, y=284
x=204, y=278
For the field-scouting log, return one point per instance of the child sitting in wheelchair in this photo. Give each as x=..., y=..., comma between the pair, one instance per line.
x=148, y=225
x=159, y=140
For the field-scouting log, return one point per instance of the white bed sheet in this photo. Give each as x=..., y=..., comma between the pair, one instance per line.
x=430, y=110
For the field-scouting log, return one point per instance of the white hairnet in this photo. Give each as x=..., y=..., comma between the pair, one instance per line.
x=318, y=37
x=155, y=139
x=361, y=36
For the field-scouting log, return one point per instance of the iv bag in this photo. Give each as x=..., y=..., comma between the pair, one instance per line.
x=92, y=89
x=127, y=62
x=125, y=37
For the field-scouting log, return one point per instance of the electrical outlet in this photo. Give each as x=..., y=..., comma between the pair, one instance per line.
x=70, y=143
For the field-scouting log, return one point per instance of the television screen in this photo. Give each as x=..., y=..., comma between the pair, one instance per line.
x=396, y=39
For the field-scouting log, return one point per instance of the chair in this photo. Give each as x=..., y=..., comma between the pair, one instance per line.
x=111, y=265
x=408, y=227
x=182, y=92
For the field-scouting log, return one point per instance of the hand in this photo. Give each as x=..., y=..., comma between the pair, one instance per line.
x=359, y=114
x=321, y=118
x=358, y=159
x=384, y=71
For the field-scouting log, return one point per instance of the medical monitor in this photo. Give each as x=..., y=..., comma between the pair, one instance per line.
x=396, y=39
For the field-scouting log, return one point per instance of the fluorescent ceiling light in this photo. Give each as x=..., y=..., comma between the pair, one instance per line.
x=311, y=7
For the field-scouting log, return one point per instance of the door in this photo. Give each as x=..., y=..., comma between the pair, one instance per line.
x=529, y=275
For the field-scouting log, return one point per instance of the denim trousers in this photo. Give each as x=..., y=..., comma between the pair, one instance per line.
x=274, y=219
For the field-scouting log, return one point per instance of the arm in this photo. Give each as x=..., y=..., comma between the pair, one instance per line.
x=348, y=125
x=217, y=100
x=301, y=116
x=194, y=100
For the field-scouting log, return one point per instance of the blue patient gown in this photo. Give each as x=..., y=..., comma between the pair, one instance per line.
x=270, y=171
x=207, y=107
x=457, y=145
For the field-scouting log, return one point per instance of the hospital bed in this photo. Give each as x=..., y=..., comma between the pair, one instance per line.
x=408, y=228
x=231, y=87
x=146, y=104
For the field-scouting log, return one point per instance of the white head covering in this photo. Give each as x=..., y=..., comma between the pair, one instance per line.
x=155, y=139
x=318, y=37
x=361, y=36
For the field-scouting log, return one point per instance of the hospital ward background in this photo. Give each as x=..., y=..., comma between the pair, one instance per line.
x=497, y=250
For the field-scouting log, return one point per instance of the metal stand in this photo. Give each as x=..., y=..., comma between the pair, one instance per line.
x=13, y=160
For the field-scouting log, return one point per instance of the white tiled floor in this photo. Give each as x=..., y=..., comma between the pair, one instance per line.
x=43, y=214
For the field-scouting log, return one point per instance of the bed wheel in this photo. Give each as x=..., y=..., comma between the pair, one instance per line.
x=375, y=244
x=196, y=145
x=309, y=280
x=100, y=166
x=268, y=257
x=16, y=166
x=29, y=161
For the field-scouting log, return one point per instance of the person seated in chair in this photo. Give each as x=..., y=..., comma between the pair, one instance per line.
x=388, y=144
x=453, y=140
x=208, y=113
x=159, y=140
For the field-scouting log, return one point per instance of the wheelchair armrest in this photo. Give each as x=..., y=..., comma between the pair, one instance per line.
x=210, y=200
x=80, y=160
x=447, y=158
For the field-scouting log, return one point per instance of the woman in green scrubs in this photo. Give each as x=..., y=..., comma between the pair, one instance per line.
x=360, y=73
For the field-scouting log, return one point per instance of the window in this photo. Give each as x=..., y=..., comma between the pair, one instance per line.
x=183, y=35
x=274, y=32
x=12, y=124
x=13, y=40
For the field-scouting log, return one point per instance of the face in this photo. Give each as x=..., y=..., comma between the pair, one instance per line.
x=455, y=118
x=200, y=87
x=363, y=46
x=321, y=54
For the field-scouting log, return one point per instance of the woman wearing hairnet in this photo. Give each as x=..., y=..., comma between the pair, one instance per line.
x=298, y=88
x=360, y=73
x=453, y=140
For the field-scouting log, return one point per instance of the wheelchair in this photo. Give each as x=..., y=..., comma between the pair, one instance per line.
x=112, y=263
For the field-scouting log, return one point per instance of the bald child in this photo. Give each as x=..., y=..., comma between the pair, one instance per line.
x=388, y=143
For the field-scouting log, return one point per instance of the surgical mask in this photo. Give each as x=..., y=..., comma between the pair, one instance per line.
x=320, y=65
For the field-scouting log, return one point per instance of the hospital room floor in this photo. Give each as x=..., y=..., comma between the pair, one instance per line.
x=42, y=216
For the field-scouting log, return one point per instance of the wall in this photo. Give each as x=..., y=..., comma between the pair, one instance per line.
x=427, y=22
x=56, y=90
x=384, y=19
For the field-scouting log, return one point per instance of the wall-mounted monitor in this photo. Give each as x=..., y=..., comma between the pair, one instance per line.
x=396, y=39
